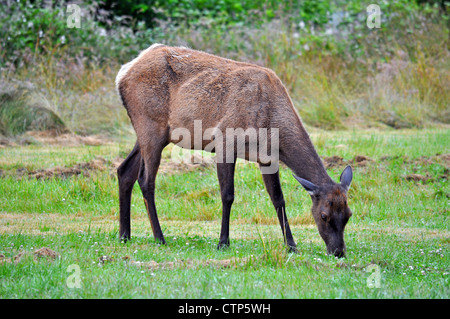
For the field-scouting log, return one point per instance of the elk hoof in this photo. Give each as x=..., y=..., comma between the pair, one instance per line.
x=125, y=238
x=293, y=249
x=223, y=245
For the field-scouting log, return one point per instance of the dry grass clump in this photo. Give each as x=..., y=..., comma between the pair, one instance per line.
x=81, y=94
x=20, y=111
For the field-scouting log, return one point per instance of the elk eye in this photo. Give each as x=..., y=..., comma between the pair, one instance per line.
x=324, y=216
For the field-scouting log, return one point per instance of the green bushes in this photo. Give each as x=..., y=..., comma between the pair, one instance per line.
x=335, y=67
x=120, y=29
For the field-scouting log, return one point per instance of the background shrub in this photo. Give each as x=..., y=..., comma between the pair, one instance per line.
x=335, y=68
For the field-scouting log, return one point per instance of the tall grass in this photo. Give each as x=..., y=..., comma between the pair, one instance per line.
x=20, y=111
x=81, y=94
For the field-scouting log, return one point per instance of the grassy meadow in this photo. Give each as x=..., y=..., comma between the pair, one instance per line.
x=400, y=224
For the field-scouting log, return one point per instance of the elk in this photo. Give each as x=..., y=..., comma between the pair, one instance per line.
x=166, y=88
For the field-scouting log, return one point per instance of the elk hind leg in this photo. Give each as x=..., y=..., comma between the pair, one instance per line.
x=225, y=173
x=127, y=174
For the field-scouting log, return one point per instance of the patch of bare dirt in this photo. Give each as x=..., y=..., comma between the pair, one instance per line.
x=419, y=163
x=55, y=137
x=338, y=161
x=16, y=259
x=361, y=160
x=167, y=166
x=4, y=142
x=333, y=161
x=52, y=137
x=98, y=163
x=427, y=177
x=418, y=178
x=4, y=260
x=172, y=167
x=438, y=158
x=43, y=252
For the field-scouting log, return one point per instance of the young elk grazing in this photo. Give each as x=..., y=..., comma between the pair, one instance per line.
x=167, y=89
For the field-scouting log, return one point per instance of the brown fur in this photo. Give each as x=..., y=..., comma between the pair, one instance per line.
x=167, y=88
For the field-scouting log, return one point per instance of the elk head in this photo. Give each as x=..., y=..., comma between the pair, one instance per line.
x=330, y=210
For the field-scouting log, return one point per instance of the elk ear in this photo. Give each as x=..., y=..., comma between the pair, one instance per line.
x=311, y=188
x=346, y=177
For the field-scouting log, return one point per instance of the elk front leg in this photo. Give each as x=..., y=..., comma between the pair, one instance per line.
x=225, y=173
x=273, y=186
x=127, y=174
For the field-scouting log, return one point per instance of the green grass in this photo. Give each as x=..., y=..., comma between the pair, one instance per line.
x=399, y=225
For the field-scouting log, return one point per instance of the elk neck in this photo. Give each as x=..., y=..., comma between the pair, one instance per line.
x=299, y=154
